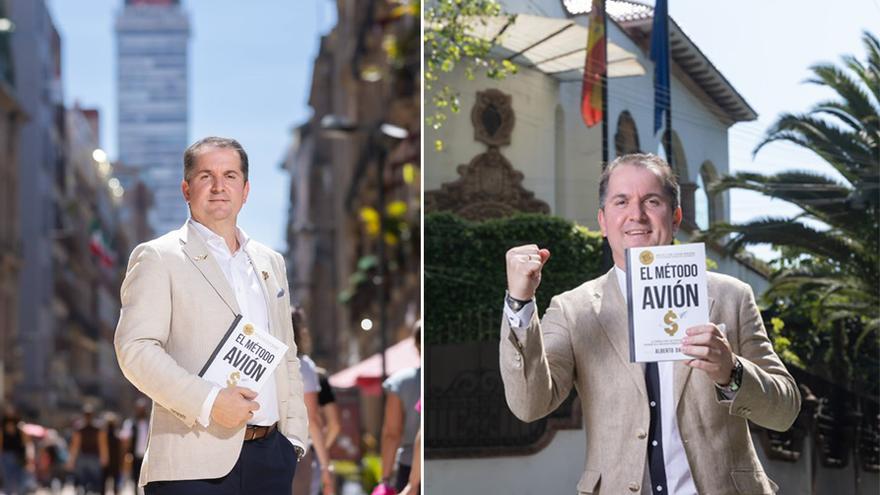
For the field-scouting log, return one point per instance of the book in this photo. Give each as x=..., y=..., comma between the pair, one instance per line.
x=246, y=357
x=666, y=295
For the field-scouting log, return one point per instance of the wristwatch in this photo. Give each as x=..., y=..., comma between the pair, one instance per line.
x=736, y=377
x=515, y=304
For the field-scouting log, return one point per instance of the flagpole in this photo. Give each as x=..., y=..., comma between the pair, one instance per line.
x=668, y=136
x=605, y=92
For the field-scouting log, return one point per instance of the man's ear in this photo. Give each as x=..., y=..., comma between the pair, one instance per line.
x=676, y=219
x=601, y=218
x=184, y=188
x=247, y=189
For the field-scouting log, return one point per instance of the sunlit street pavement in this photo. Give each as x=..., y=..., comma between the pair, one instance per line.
x=69, y=489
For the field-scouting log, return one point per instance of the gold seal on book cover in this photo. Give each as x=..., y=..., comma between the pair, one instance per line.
x=646, y=257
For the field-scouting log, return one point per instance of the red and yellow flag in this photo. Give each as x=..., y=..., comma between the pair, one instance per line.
x=594, y=67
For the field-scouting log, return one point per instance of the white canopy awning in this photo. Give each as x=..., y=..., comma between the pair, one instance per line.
x=554, y=46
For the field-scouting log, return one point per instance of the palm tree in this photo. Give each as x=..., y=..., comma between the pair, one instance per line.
x=830, y=250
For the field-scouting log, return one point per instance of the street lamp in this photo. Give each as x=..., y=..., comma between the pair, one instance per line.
x=337, y=126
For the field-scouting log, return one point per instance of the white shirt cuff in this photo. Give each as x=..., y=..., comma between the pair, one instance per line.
x=299, y=446
x=520, y=318
x=204, y=418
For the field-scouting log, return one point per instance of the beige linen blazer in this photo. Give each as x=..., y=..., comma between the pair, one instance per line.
x=582, y=340
x=176, y=306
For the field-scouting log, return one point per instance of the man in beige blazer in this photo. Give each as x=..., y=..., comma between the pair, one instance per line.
x=661, y=428
x=180, y=295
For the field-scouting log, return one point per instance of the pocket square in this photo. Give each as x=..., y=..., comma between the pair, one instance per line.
x=280, y=292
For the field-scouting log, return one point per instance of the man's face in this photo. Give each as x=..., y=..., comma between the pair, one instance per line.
x=636, y=213
x=216, y=189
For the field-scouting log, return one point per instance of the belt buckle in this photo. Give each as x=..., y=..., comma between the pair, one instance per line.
x=256, y=432
x=250, y=433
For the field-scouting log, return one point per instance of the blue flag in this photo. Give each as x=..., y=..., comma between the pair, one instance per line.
x=660, y=57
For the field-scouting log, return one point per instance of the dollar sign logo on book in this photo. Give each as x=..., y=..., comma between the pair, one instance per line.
x=233, y=379
x=669, y=320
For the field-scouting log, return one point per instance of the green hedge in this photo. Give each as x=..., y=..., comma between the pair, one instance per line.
x=465, y=275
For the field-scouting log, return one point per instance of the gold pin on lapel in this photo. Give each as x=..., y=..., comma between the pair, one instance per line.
x=265, y=275
x=201, y=257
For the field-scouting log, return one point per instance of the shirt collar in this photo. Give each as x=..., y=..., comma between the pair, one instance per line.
x=214, y=239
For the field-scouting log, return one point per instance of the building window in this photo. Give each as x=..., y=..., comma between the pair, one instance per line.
x=688, y=188
x=626, y=140
x=701, y=204
x=708, y=206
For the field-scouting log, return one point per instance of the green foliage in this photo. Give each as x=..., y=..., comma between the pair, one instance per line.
x=450, y=41
x=825, y=281
x=465, y=275
x=834, y=349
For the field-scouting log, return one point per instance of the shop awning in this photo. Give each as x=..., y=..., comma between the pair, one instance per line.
x=367, y=374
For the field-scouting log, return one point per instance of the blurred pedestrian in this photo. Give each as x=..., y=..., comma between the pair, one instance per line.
x=317, y=459
x=329, y=410
x=112, y=472
x=404, y=388
x=16, y=453
x=134, y=437
x=88, y=452
x=415, y=474
x=51, y=460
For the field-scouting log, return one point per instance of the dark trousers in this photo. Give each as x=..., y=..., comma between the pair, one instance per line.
x=265, y=466
x=136, y=464
x=402, y=476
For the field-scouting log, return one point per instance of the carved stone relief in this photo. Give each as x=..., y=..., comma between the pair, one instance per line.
x=488, y=186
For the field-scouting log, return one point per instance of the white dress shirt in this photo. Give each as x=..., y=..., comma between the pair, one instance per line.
x=679, y=479
x=242, y=277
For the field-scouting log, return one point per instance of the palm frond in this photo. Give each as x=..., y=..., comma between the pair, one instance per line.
x=856, y=99
x=845, y=151
x=820, y=197
x=841, y=112
x=871, y=75
x=770, y=230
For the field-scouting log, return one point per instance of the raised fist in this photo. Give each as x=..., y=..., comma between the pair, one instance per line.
x=524, y=265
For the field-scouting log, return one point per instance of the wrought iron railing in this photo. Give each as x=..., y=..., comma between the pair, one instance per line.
x=469, y=416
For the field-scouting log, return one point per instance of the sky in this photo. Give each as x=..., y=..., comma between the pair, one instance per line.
x=765, y=49
x=250, y=73
x=251, y=69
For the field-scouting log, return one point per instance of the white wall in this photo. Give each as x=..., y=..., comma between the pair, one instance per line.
x=702, y=134
x=570, y=188
x=558, y=467
x=532, y=150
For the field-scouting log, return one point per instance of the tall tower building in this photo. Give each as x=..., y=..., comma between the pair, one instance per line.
x=152, y=83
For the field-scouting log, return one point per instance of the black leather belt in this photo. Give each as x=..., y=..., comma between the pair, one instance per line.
x=254, y=432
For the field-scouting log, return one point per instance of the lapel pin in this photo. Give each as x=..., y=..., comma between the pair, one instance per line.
x=265, y=275
x=201, y=257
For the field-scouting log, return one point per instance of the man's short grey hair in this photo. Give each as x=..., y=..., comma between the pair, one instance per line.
x=191, y=153
x=651, y=162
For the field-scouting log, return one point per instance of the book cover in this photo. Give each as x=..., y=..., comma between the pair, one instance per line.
x=245, y=357
x=666, y=295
